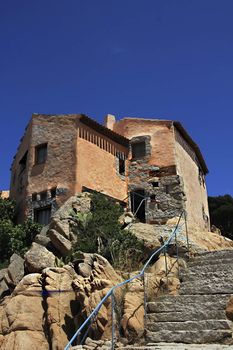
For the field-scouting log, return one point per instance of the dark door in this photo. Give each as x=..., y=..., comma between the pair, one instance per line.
x=138, y=204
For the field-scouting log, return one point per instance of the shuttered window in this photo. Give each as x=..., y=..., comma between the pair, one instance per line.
x=42, y=215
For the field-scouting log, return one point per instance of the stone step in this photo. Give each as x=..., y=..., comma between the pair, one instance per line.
x=181, y=306
x=215, y=253
x=189, y=325
x=187, y=299
x=210, y=262
x=203, y=336
x=213, y=280
x=204, y=288
x=199, y=314
x=200, y=275
x=209, y=268
x=177, y=346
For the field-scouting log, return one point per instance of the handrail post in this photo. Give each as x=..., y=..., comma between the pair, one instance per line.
x=144, y=298
x=166, y=269
x=186, y=231
x=177, y=255
x=113, y=319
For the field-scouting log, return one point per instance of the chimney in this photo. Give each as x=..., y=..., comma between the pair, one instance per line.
x=109, y=121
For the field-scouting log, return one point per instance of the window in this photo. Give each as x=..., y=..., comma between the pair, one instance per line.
x=34, y=197
x=42, y=215
x=41, y=154
x=121, y=166
x=53, y=192
x=23, y=162
x=43, y=196
x=138, y=149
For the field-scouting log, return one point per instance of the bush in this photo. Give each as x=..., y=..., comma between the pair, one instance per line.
x=14, y=238
x=100, y=232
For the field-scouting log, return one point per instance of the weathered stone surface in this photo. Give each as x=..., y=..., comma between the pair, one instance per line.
x=156, y=284
x=61, y=226
x=89, y=292
x=61, y=305
x=62, y=244
x=200, y=336
x=198, y=241
x=15, y=270
x=80, y=203
x=42, y=240
x=22, y=317
x=126, y=218
x=38, y=257
x=229, y=309
x=3, y=286
x=199, y=314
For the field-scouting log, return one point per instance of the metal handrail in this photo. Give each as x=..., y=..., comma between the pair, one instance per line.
x=112, y=289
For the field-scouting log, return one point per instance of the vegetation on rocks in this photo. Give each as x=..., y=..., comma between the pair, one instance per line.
x=221, y=214
x=99, y=231
x=14, y=238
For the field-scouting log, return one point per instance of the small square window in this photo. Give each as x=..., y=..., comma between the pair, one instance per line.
x=53, y=192
x=41, y=154
x=138, y=149
x=23, y=162
x=43, y=196
x=121, y=166
x=34, y=197
x=42, y=215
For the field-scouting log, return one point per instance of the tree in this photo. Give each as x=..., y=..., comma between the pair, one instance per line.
x=221, y=213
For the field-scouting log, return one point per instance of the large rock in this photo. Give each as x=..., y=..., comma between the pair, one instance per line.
x=22, y=317
x=43, y=240
x=62, y=244
x=38, y=257
x=3, y=286
x=91, y=290
x=154, y=235
x=61, y=219
x=15, y=271
x=61, y=305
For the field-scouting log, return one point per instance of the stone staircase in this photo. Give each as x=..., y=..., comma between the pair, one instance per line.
x=197, y=315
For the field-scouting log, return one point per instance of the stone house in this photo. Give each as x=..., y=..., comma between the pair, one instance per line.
x=151, y=165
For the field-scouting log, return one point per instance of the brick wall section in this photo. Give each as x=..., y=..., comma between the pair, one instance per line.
x=194, y=188
x=59, y=169
x=19, y=176
x=97, y=166
x=59, y=132
x=161, y=133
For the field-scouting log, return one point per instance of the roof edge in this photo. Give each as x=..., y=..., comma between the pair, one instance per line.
x=191, y=142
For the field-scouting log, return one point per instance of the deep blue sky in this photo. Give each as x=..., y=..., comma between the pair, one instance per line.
x=147, y=58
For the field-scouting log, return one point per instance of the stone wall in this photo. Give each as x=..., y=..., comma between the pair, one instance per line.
x=19, y=174
x=194, y=184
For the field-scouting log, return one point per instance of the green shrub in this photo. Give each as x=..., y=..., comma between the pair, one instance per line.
x=100, y=232
x=14, y=238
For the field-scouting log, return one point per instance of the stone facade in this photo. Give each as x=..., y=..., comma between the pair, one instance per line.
x=171, y=174
x=152, y=165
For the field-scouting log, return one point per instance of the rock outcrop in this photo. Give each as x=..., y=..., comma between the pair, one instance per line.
x=198, y=241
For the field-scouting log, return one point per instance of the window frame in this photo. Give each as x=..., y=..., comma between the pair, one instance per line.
x=37, y=148
x=140, y=156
